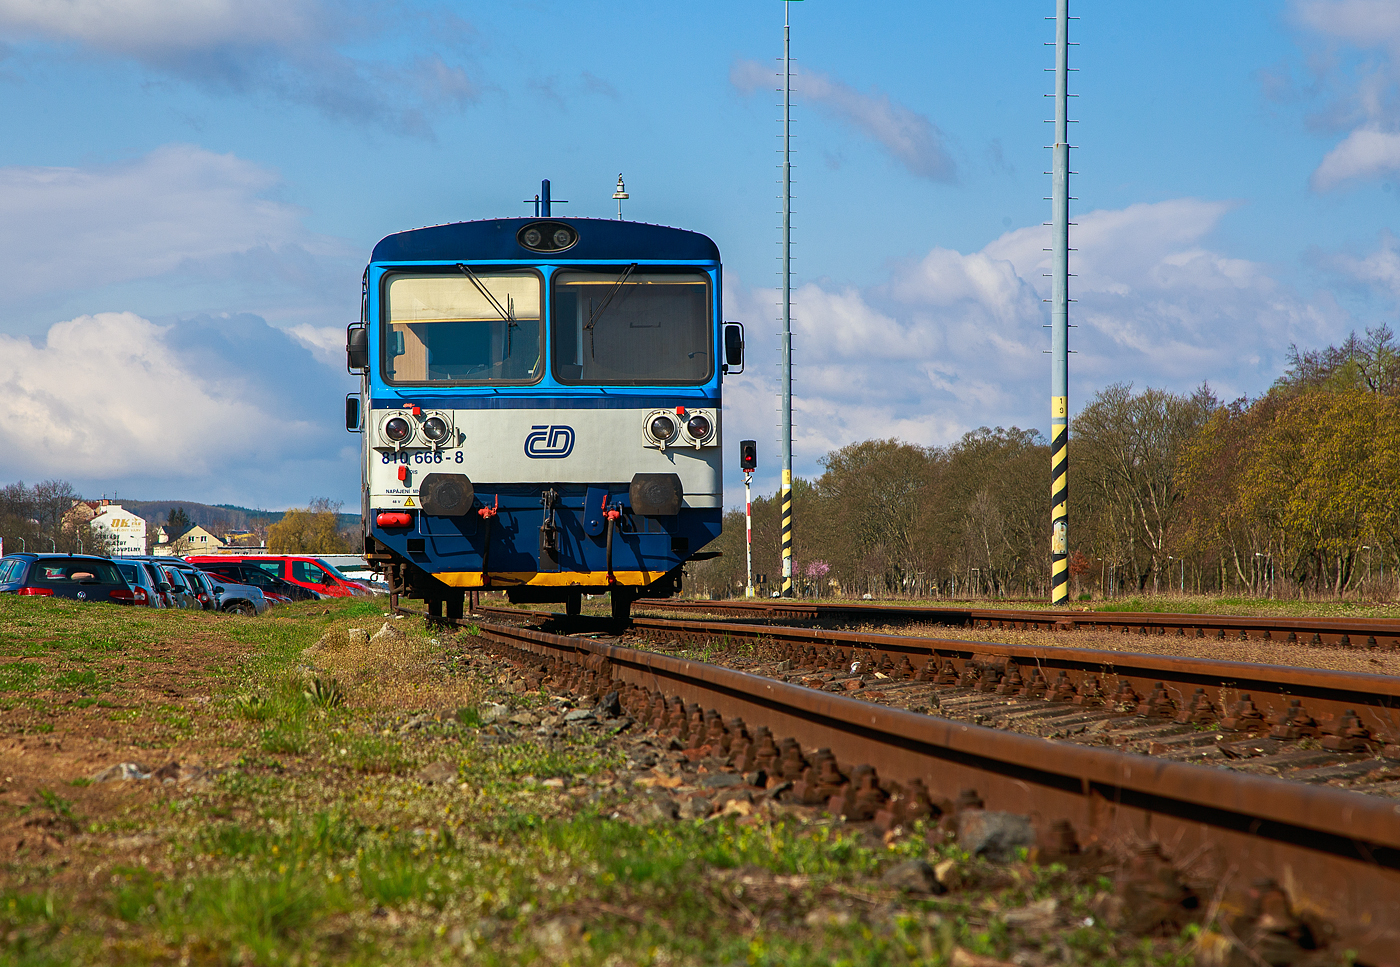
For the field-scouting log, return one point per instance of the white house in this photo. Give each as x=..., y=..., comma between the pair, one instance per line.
x=125, y=529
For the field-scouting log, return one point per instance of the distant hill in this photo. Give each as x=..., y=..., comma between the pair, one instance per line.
x=219, y=518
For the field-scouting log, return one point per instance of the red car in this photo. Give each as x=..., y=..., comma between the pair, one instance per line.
x=308, y=572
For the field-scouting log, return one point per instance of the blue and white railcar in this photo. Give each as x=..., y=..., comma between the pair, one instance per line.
x=540, y=408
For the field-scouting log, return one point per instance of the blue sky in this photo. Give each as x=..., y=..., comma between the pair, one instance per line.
x=189, y=191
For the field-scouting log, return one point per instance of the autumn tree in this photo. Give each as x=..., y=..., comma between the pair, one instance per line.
x=309, y=530
x=1125, y=449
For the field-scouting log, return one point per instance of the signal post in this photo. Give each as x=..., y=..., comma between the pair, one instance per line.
x=748, y=462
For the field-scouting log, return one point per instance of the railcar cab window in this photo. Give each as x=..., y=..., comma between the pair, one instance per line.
x=632, y=327
x=477, y=325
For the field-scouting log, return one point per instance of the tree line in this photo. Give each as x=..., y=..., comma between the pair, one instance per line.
x=1294, y=492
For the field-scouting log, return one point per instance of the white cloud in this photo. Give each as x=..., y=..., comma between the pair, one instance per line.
x=913, y=140
x=180, y=205
x=954, y=341
x=290, y=49
x=114, y=401
x=1359, y=73
x=156, y=27
x=1379, y=269
x=1364, y=23
x=1364, y=153
x=326, y=343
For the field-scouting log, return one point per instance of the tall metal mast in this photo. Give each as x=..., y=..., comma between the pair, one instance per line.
x=785, y=495
x=1059, y=320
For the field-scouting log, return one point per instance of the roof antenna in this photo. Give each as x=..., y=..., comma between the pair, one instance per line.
x=542, y=200
x=621, y=195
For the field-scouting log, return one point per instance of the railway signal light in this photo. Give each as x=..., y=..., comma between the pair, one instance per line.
x=748, y=455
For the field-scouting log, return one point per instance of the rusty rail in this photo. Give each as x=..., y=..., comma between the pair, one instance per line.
x=1383, y=633
x=1335, y=853
x=1345, y=711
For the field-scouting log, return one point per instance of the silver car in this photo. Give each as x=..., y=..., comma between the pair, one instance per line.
x=181, y=595
x=217, y=595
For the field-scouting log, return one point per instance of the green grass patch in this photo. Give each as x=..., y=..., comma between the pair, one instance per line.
x=20, y=676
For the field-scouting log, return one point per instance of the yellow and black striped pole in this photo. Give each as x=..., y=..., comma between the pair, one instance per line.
x=786, y=498
x=786, y=440
x=1059, y=319
x=1059, y=500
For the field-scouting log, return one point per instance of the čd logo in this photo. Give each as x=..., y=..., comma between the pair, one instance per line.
x=549, y=442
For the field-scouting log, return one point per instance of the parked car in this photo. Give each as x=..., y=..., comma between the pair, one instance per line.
x=79, y=577
x=231, y=597
x=307, y=572
x=177, y=587
x=180, y=584
x=272, y=586
x=143, y=582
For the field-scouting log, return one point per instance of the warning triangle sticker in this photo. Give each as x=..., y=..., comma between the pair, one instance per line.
x=409, y=502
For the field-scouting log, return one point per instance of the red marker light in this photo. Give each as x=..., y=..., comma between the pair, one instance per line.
x=417, y=411
x=680, y=411
x=403, y=473
x=394, y=518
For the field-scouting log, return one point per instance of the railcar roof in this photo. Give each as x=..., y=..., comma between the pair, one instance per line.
x=495, y=238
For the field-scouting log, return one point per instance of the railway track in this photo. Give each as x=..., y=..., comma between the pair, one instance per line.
x=1296, y=862
x=1382, y=633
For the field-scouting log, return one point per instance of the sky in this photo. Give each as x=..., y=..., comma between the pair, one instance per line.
x=189, y=191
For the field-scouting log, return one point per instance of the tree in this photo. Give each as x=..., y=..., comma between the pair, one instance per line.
x=177, y=523
x=1125, y=452
x=308, y=530
x=1370, y=364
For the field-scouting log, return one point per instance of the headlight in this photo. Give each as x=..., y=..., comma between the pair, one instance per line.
x=563, y=238
x=662, y=429
x=397, y=430
x=435, y=429
x=532, y=238
x=698, y=427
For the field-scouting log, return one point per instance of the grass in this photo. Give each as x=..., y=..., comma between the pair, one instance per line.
x=313, y=840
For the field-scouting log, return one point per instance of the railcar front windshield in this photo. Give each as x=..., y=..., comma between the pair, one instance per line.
x=632, y=327
x=474, y=326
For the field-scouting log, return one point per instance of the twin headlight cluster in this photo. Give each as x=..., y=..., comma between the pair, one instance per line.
x=405, y=429
x=680, y=427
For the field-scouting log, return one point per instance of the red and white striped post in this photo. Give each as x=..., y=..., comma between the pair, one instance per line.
x=748, y=533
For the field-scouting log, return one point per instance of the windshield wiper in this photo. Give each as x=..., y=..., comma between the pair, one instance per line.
x=595, y=314
x=508, y=314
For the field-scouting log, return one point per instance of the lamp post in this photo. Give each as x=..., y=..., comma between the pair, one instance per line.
x=620, y=195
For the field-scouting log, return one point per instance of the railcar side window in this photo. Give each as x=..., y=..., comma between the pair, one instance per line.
x=481, y=326
x=628, y=327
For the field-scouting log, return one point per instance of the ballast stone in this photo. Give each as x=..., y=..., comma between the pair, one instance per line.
x=490, y=713
x=388, y=633
x=912, y=876
x=995, y=835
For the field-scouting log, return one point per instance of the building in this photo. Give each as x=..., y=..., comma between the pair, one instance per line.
x=125, y=532
x=196, y=540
